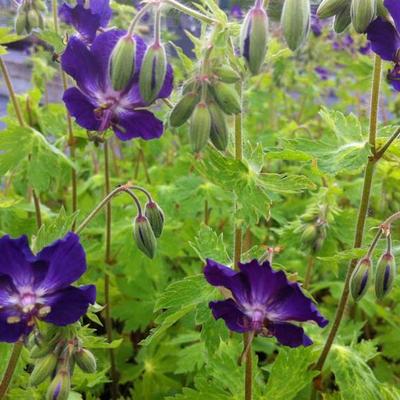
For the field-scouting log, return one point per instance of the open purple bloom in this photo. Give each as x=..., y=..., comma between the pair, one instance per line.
x=94, y=103
x=39, y=286
x=263, y=301
x=86, y=17
x=385, y=40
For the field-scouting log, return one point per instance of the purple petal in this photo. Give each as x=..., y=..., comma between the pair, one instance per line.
x=141, y=123
x=10, y=333
x=393, y=7
x=66, y=262
x=78, y=62
x=228, y=310
x=69, y=304
x=168, y=83
x=290, y=335
x=81, y=108
x=103, y=9
x=385, y=40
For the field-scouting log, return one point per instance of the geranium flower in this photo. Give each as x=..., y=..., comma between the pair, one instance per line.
x=86, y=17
x=385, y=40
x=95, y=105
x=39, y=286
x=263, y=302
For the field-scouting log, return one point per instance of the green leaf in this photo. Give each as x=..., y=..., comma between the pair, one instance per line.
x=7, y=36
x=53, y=39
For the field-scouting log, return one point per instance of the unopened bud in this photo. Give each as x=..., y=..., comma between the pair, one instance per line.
x=219, y=130
x=226, y=74
x=385, y=274
x=60, y=386
x=360, y=279
x=144, y=236
x=183, y=109
x=309, y=234
x=227, y=97
x=200, y=126
x=295, y=21
x=254, y=37
x=362, y=13
x=85, y=360
x=342, y=20
x=21, y=22
x=152, y=72
x=329, y=8
x=381, y=10
x=33, y=19
x=156, y=217
x=122, y=63
x=43, y=368
x=39, y=351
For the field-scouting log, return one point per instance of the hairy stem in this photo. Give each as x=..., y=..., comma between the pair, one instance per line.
x=362, y=214
x=9, y=372
x=190, y=11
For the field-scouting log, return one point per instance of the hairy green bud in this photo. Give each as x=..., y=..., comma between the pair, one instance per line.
x=153, y=72
x=342, y=20
x=144, y=236
x=362, y=13
x=295, y=21
x=329, y=8
x=85, y=360
x=122, y=62
x=156, y=217
x=219, y=130
x=385, y=274
x=183, y=109
x=227, y=97
x=360, y=279
x=21, y=22
x=60, y=386
x=44, y=367
x=226, y=74
x=200, y=126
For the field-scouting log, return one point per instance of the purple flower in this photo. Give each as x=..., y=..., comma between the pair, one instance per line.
x=236, y=12
x=86, y=17
x=94, y=104
x=385, y=40
x=263, y=302
x=39, y=286
x=323, y=73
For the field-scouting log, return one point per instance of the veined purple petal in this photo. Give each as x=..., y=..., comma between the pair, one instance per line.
x=290, y=335
x=103, y=9
x=10, y=333
x=234, y=319
x=385, y=40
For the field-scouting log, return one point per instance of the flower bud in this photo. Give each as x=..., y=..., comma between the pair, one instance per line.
x=253, y=38
x=156, y=217
x=226, y=97
x=200, y=126
x=342, y=20
x=309, y=235
x=329, y=8
x=295, y=21
x=21, y=22
x=360, y=279
x=42, y=350
x=381, y=10
x=85, y=360
x=34, y=20
x=144, y=236
x=122, y=62
x=183, y=109
x=219, y=129
x=152, y=72
x=60, y=386
x=226, y=74
x=43, y=368
x=362, y=13
x=385, y=274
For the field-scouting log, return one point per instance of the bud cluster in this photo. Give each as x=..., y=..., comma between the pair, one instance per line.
x=314, y=228
x=55, y=353
x=29, y=16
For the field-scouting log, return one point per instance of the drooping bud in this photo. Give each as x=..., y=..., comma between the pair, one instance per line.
x=122, y=62
x=254, y=37
x=342, y=20
x=183, y=109
x=360, y=279
x=219, y=130
x=200, y=126
x=152, y=72
x=144, y=236
x=156, y=217
x=34, y=20
x=329, y=8
x=60, y=386
x=21, y=22
x=309, y=235
x=85, y=360
x=385, y=274
x=227, y=97
x=43, y=368
x=39, y=351
x=381, y=10
x=362, y=13
x=226, y=74
x=295, y=21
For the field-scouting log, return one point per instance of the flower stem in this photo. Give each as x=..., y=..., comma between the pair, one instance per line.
x=189, y=11
x=248, y=383
x=308, y=277
x=362, y=215
x=71, y=138
x=140, y=14
x=108, y=261
x=12, y=364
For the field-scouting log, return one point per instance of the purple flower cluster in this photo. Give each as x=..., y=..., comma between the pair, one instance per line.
x=263, y=301
x=38, y=287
